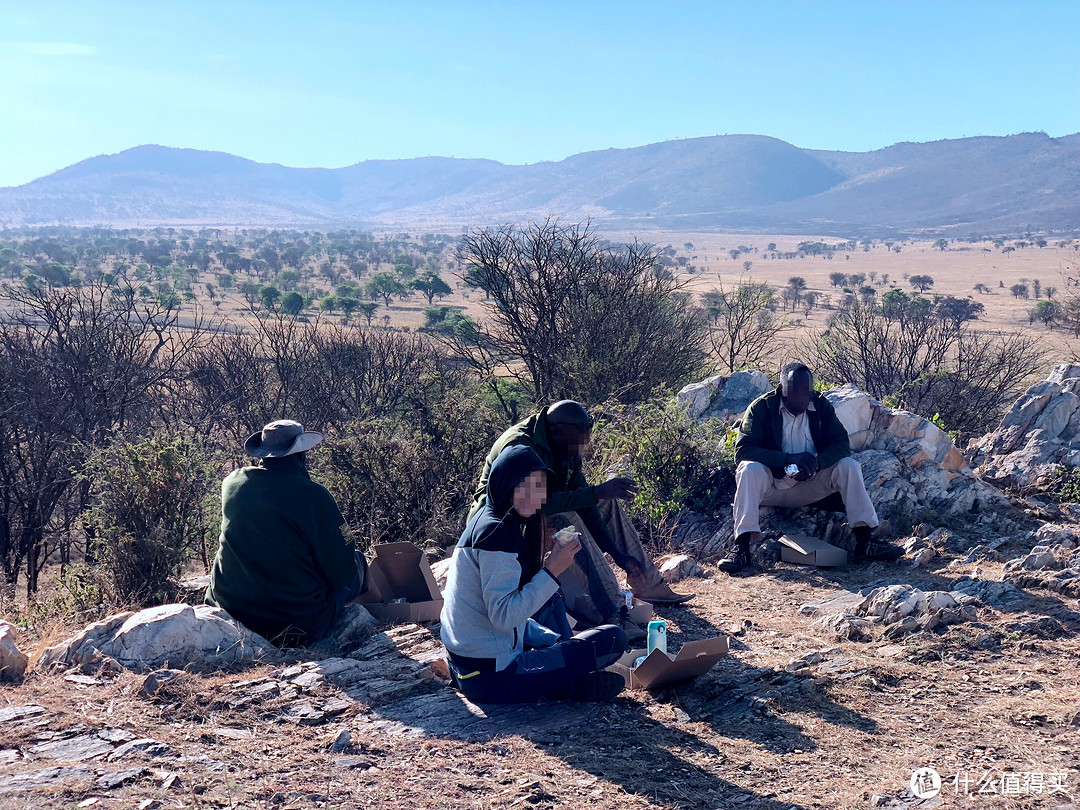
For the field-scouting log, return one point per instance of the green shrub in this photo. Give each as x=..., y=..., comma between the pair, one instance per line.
x=671, y=456
x=1065, y=485
x=154, y=506
x=396, y=480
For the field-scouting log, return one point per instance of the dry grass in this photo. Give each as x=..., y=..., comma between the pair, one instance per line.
x=748, y=734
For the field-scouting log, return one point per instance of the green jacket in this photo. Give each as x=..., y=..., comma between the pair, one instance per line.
x=283, y=560
x=762, y=430
x=569, y=491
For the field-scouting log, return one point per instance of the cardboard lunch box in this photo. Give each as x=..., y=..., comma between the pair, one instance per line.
x=640, y=612
x=804, y=550
x=401, y=571
x=661, y=669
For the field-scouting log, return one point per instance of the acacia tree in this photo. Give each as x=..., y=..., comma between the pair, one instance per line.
x=431, y=285
x=572, y=316
x=385, y=285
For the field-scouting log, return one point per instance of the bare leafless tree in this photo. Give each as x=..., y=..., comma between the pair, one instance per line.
x=573, y=317
x=78, y=364
x=903, y=349
x=745, y=328
x=324, y=374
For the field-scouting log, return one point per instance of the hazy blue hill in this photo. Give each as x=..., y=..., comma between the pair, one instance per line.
x=985, y=183
x=377, y=186
x=969, y=185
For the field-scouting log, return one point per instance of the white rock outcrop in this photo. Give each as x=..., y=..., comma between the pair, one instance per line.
x=179, y=636
x=724, y=398
x=1037, y=437
x=679, y=567
x=12, y=660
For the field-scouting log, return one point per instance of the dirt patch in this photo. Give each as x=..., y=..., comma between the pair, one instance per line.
x=792, y=717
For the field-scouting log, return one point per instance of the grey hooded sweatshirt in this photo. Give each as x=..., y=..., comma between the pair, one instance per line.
x=496, y=583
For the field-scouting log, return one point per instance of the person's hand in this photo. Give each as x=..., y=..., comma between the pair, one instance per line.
x=806, y=462
x=625, y=489
x=562, y=556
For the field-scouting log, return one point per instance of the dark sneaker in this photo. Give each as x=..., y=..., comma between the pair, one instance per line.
x=877, y=551
x=598, y=687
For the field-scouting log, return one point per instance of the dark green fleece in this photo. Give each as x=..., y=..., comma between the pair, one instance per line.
x=283, y=558
x=762, y=429
x=569, y=491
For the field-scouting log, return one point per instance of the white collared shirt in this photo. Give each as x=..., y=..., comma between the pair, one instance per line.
x=796, y=432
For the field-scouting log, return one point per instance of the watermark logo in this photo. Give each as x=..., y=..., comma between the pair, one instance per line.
x=925, y=783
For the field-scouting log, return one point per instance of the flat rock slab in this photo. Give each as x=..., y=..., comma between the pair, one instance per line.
x=447, y=714
x=144, y=747
x=10, y=713
x=110, y=781
x=45, y=778
x=76, y=749
x=841, y=602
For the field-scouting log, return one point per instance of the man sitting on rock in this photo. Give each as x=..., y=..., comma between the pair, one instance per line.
x=792, y=450
x=559, y=434
x=283, y=568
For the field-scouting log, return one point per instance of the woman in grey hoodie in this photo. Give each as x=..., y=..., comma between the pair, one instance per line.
x=499, y=580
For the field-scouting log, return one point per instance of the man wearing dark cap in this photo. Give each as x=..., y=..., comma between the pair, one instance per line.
x=792, y=450
x=559, y=434
x=283, y=567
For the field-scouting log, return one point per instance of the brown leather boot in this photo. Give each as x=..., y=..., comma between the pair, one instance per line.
x=661, y=594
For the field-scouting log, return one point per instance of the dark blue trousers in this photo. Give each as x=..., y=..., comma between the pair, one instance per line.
x=538, y=673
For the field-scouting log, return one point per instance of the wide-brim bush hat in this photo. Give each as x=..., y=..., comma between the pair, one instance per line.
x=281, y=438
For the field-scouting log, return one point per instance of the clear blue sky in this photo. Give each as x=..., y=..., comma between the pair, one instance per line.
x=333, y=83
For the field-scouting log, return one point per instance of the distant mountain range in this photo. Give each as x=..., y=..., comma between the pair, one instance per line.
x=746, y=183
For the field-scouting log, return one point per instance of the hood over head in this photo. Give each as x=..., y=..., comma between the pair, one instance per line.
x=514, y=465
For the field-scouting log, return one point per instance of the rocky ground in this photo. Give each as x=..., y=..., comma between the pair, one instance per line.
x=803, y=713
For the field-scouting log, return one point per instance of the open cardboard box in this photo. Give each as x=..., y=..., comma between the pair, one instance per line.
x=640, y=612
x=661, y=669
x=401, y=570
x=805, y=550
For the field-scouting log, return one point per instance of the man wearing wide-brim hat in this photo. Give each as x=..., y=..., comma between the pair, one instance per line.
x=283, y=568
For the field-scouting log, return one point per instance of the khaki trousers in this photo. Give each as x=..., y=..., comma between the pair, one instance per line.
x=589, y=586
x=755, y=487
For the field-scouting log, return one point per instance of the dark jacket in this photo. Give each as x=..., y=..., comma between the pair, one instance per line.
x=495, y=583
x=761, y=433
x=568, y=491
x=283, y=559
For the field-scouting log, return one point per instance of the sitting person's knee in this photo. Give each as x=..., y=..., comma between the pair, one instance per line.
x=849, y=464
x=617, y=636
x=753, y=468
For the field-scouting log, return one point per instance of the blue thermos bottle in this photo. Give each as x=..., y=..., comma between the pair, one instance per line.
x=657, y=636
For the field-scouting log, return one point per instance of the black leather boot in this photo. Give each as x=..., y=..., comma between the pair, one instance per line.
x=867, y=549
x=739, y=559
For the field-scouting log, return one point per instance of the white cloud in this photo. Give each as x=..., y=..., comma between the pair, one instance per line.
x=57, y=49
